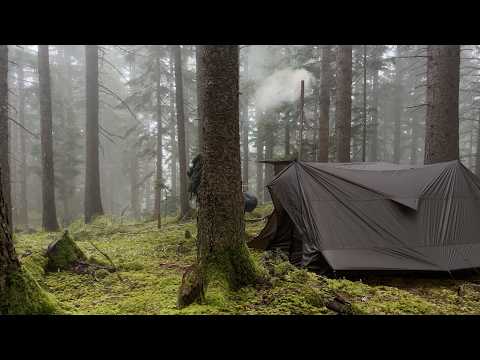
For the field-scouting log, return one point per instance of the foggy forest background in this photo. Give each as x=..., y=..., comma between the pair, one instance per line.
x=139, y=84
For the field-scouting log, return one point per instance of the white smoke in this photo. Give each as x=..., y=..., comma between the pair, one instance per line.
x=282, y=86
x=276, y=80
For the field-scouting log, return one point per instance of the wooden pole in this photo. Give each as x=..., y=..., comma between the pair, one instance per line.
x=302, y=102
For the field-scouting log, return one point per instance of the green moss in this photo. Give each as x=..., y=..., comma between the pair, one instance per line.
x=24, y=296
x=152, y=267
x=63, y=253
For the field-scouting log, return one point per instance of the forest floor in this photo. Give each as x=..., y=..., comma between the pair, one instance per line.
x=151, y=262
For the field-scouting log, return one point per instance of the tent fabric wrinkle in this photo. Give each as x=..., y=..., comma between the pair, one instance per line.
x=375, y=216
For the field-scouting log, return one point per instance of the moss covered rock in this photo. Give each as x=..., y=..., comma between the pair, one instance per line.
x=64, y=254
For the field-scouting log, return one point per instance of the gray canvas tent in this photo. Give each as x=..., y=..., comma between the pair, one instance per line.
x=375, y=216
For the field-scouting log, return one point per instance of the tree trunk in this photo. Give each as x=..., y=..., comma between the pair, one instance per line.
x=49, y=213
x=173, y=132
x=245, y=130
x=182, y=156
x=397, y=115
x=414, y=141
x=159, y=180
x=70, y=119
x=477, y=157
x=443, y=79
x=259, y=144
x=324, y=118
x=93, y=201
x=343, y=107
x=374, y=136
x=134, y=184
x=4, y=136
x=8, y=259
x=221, y=227
x=287, y=135
x=199, y=103
x=269, y=146
x=364, y=125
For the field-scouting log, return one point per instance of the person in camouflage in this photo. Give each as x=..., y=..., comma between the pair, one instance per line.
x=195, y=174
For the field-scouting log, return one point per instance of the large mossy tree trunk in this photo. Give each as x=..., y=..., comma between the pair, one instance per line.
x=8, y=259
x=19, y=292
x=93, y=200
x=221, y=228
x=49, y=209
x=343, y=99
x=443, y=81
x=9, y=263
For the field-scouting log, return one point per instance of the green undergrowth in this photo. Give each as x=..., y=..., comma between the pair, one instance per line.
x=150, y=264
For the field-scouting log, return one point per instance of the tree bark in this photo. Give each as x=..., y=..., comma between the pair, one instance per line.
x=364, y=125
x=49, y=213
x=269, y=147
x=199, y=80
x=159, y=175
x=443, y=79
x=4, y=131
x=182, y=156
x=8, y=259
x=397, y=115
x=72, y=126
x=477, y=157
x=174, y=147
x=93, y=201
x=287, y=136
x=324, y=118
x=221, y=227
x=374, y=110
x=259, y=144
x=245, y=130
x=343, y=107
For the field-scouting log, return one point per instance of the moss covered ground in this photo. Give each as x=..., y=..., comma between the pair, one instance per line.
x=151, y=262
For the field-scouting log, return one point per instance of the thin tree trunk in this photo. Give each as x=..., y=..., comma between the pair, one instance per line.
x=70, y=119
x=443, y=79
x=4, y=129
x=182, y=156
x=324, y=118
x=93, y=201
x=269, y=146
x=364, y=125
x=397, y=117
x=49, y=213
x=134, y=186
x=245, y=130
x=159, y=180
x=374, y=136
x=173, y=132
x=287, y=135
x=302, y=120
x=221, y=226
x=259, y=144
x=343, y=108
x=414, y=142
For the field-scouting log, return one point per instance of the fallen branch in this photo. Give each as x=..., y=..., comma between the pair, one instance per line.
x=108, y=258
